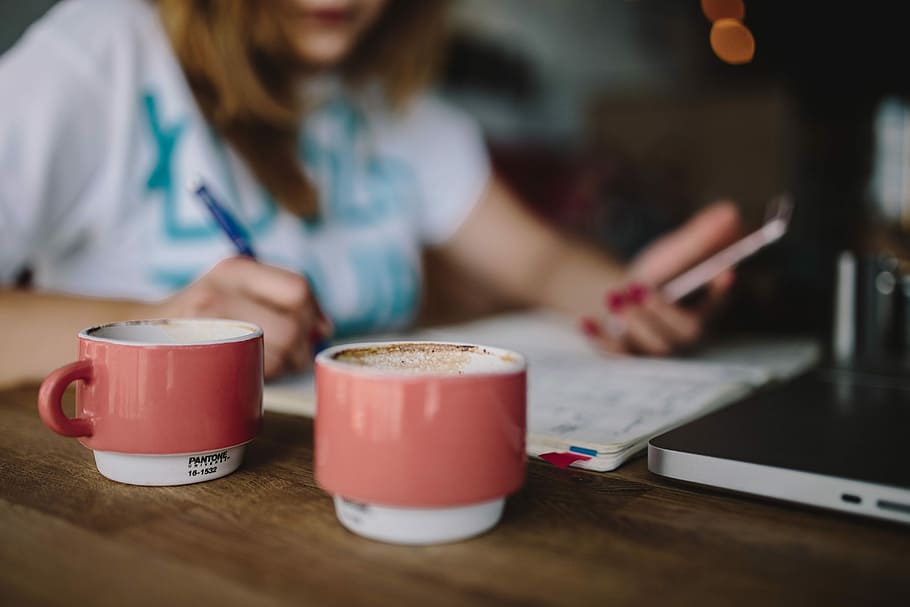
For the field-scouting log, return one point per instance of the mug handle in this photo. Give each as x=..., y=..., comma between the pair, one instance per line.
x=50, y=395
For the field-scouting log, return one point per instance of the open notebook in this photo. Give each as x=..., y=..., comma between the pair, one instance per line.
x=598, y=408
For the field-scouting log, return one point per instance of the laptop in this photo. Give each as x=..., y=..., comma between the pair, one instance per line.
x=831, y=438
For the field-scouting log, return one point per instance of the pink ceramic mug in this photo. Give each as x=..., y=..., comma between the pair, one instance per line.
x=420, y=442
x=162, y=402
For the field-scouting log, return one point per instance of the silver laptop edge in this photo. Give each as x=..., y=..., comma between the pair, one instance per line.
x=855, y=497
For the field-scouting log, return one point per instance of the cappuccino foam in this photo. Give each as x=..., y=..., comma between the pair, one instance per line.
x=430, y=358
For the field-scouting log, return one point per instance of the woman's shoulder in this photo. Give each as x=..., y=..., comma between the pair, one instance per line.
x=97, y=19
x=95, y=28
x=94, y=48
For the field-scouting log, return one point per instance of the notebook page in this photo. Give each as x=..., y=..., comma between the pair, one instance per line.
x=295, y=394
x=749, y=359
x=581, y=399
x=578, y=396
x=779, y=358
x=592, y=402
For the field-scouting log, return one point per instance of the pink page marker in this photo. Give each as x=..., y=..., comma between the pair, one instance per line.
x=562, y=459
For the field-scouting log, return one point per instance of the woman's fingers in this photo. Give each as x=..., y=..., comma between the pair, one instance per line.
x=643, y=336
x=640, y=321
x=279, y=301
x=274, y=286
x=716, y=293
x=680, y=327
x=707, y=232
x=287, y=292
x=605, y=337
x=323, y=327
x=283, y=333
x=273, y=364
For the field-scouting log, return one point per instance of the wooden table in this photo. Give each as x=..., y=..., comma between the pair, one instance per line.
x=266, y=535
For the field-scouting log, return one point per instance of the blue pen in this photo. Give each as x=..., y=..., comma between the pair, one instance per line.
x=226, y=221
x=240, y=238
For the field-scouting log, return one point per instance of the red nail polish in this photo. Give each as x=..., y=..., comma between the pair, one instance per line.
x=590, y=327
x=637, y=293
x=616, y=301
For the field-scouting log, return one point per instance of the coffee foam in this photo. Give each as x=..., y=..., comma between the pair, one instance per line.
x=427, y=358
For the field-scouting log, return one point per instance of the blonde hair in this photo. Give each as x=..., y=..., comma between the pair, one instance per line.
x=243, y=74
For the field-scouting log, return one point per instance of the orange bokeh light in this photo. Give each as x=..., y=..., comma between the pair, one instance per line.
x=732, y=41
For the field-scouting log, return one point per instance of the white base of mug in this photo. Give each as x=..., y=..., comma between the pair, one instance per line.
x=161, y=470
x=418, y=526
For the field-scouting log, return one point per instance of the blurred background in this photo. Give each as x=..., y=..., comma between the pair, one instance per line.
x=615, y=120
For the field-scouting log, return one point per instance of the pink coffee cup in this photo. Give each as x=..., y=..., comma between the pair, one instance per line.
x=420, y=442
x=162, y=402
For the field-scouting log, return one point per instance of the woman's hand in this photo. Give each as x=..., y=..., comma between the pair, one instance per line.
x=515, y=255
x=279, y=301
x=638, y=319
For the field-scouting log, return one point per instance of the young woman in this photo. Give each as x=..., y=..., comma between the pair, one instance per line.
x=306, y=118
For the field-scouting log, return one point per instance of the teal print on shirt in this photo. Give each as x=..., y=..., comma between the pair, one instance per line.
x=388, y=289
x=162, y=177
x=361, y=189
x=358, y=187
x=259, y=224
x=165, y=138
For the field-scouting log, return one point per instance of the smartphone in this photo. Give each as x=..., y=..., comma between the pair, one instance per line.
x=778, y=216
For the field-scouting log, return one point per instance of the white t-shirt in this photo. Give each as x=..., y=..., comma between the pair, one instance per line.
x=101, y=137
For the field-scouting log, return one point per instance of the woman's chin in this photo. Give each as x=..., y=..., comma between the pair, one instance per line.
x=322, y=52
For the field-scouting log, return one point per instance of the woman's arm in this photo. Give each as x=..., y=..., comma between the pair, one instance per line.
x=509, y=249
x=512, y=251
x=41, y=328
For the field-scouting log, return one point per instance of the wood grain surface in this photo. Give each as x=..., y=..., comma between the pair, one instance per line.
x=267, y=535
